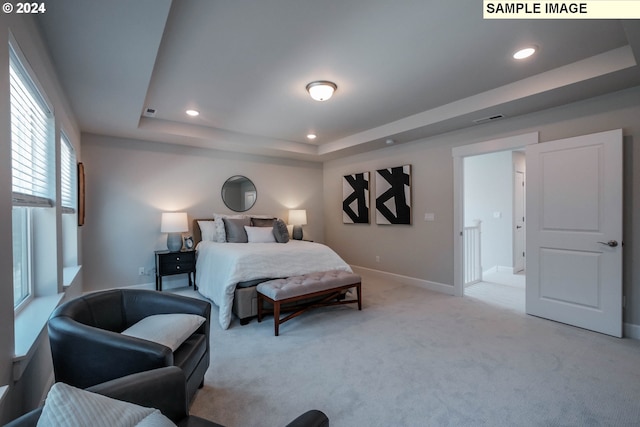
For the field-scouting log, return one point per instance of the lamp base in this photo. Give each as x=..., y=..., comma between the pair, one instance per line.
x=297, y=232
x=174, y=242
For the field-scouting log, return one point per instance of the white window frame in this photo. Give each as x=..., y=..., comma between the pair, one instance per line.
x=27, y=250
x=33, y=144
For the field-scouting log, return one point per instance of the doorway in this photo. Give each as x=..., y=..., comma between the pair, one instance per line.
x=574, y=258
x=494, y=204
x=499, y=262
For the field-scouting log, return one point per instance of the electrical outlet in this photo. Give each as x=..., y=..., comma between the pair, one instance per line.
x=377, y=258
x=141, y=271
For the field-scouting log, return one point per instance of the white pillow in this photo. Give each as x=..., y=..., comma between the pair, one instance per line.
x=260, y=234
x=207, y=230
x=69, y=406
x=170, y=330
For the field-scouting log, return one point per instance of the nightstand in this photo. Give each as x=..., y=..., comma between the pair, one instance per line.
x=170, y=263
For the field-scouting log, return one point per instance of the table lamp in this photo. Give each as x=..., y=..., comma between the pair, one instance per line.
x=174, y=223
x=298, y=218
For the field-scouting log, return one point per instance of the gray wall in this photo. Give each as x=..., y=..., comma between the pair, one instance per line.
x=130, y=183
x=424, y=250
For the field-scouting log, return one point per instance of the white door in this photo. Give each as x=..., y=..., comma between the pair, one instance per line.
x=574, y=231
x=518, y=222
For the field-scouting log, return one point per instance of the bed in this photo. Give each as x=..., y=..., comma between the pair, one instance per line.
x=227, y=273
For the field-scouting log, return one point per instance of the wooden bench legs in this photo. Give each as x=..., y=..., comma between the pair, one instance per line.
x=330, y=297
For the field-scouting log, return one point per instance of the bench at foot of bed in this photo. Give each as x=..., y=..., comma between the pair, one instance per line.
x=329, y=285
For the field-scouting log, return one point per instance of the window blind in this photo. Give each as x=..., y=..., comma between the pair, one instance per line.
x=30, y=130
x=68, y=175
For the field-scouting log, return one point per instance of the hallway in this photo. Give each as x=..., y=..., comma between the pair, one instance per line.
x=501, y=289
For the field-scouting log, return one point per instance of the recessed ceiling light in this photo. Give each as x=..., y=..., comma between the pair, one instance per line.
x=312, y=136
x=193, y=113
x=525, y=53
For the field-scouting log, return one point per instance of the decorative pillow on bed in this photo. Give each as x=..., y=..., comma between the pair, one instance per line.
x=70, y=406
x=220, y=234
x=262, y=222
x=234, y=227
x=280, y=231
x=170, y=330
x=207, y=230
x=260, y=234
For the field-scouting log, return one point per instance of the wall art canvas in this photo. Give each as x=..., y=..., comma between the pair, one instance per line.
x=393, y=195
x=355, y=198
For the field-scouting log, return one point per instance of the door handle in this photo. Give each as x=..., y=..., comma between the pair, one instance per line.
x=518, y=226
x=610, y=243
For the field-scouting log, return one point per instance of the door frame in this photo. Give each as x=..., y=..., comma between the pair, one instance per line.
x=459, y=153
x=519, y=250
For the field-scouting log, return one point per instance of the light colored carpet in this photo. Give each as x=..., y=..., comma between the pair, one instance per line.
x=413, y=357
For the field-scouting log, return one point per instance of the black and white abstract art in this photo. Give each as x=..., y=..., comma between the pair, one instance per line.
x=355, y=198
x=393, y=195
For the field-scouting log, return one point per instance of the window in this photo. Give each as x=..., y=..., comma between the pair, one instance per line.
x=22, y=289
x=32, y=171
x=68, y=175
x=69, y=201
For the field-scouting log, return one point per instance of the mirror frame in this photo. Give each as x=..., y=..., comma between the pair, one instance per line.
x=240, y=205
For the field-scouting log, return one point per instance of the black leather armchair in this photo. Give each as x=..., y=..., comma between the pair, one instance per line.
x=163, y=389
x=88, y=348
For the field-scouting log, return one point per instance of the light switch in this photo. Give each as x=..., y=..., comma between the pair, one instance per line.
x=429, y=217
x=497, y=214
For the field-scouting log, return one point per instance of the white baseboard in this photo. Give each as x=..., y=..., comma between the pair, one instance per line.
x=425, y=284
x=631, y=331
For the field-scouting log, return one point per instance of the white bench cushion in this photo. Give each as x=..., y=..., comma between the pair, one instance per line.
x=280, y=289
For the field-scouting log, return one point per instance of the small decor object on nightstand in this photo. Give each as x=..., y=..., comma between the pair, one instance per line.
x=174, y=223
x=188, y=242
x=298, y=218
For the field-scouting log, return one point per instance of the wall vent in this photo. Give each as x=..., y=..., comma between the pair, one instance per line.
x=488, y=119
x=149, y=112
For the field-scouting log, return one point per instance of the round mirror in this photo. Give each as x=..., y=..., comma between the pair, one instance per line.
x=238, y=193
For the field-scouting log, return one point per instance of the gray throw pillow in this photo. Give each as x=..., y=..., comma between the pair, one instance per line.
x=234, y=227
x=262, y=222
x=280, y=231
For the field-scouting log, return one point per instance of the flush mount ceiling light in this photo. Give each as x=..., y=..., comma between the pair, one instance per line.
x=312, y=136
x=192, y=113
x=321, y=90
x=525, y=53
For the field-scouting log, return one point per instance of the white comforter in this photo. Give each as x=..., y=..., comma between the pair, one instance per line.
x=220, y=266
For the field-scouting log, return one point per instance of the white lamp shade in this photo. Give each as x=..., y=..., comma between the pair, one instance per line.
x=298, y=217
x=174, y=222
